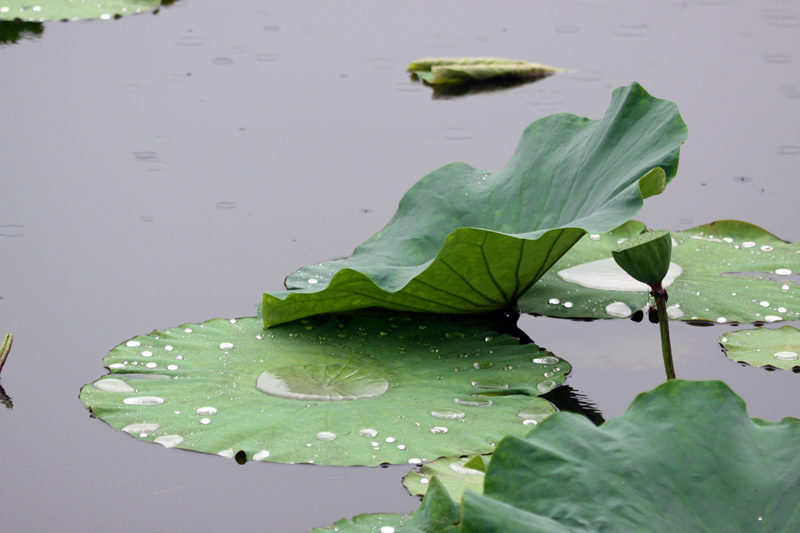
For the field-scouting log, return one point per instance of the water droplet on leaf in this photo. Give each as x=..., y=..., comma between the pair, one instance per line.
x=470, y=401
x=448, y=414
x=619, y=309
x=319, y=382
x=113, y=385
x=143, y=400
x=169, y=441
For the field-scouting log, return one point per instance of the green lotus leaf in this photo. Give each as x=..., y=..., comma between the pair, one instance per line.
x=453, y=472
x=776, y=348
x=447, y=70
x=42, y=10
x=437, y=513
x=469, y=241
x=725, y=271
x=684, y=457
x=335, y=391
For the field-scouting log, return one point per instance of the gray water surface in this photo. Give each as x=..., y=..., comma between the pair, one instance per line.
x=164, y=169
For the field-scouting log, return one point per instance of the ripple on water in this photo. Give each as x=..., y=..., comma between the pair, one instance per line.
x=46, y=481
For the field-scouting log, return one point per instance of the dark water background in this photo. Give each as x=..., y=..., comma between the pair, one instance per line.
x=165, y=169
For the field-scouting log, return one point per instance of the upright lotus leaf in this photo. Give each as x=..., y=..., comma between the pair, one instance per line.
x=349, y=391
x=776, y=348
x=438, y=513
x=469, y=241
x=725, y=271
x=684, y=457
x=43, y=10
x=447, y=70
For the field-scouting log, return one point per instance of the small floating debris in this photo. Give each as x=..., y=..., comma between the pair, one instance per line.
x=5, y=347
x=437, y=71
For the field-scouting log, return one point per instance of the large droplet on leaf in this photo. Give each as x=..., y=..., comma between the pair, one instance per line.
x=325, y=383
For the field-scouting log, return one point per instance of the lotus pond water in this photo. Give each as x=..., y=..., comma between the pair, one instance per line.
x=163, y=170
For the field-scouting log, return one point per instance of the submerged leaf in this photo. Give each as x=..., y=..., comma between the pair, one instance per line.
x=330, y=391
x=684, y=457
x=778, y=348
x=43, y=10
x=448, y=70
x=468, y=241
x=725, y=271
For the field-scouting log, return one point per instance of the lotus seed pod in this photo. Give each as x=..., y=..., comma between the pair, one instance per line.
x=645, y=257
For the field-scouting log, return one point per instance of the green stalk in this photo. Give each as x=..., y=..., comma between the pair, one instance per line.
x=5, y=347
x=660, y=296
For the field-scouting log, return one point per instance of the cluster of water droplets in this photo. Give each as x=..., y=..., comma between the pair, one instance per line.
x=36, y=12
x=317, y=384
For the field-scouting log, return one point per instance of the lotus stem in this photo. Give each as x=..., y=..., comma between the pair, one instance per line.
x=660, y=296
x=5, y=347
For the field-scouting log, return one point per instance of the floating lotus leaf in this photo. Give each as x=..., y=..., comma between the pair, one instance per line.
x=42, y=10
x=725, y=271
x=469, y=241
x=456, y=473
x=684, y=457
x=330, y=391
x=438, y=513
x=447, y=70
x=777, y=348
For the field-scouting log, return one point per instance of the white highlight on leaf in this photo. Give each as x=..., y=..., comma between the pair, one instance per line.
x=606, y=275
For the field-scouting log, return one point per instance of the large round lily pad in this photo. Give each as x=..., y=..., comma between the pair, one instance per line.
x=465, y=240
x=337, y=391
x=42, y=10
x=725, y=271
x=776, y=348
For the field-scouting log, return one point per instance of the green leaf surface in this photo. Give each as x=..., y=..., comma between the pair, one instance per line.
x=469, y=241
x=43, y=10
x=777, y=348
x=437, y=514
x=339, y=391
x=732, y=271
x=684, y=457
x=449, y=70
x=373, y=523
x=452, y=472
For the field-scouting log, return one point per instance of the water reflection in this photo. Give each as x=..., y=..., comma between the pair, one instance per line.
x=5, y=399
x=571, y=400
x=12, y=31
x=458, y=90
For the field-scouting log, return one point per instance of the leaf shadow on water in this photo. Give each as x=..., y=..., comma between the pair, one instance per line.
x=5, y=399
x=12, y=31
x=458, y=90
